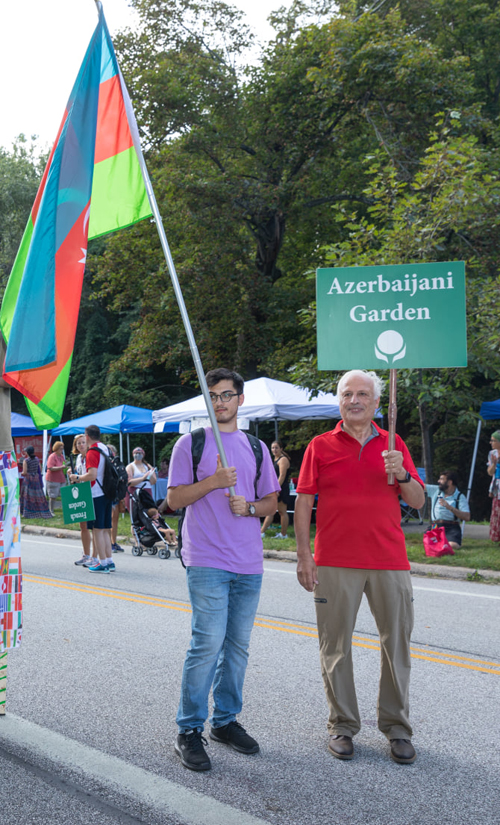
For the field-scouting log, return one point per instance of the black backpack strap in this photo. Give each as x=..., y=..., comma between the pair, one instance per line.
x=197, y=447
x=259, y=456
x=457, y=500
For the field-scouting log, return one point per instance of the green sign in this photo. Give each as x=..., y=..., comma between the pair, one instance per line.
x=77, y=503
x=383, y=317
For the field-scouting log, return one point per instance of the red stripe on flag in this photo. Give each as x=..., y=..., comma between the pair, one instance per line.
x=70, y=266
x=113, y=132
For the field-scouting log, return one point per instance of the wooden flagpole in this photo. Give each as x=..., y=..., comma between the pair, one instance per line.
x=392, y=417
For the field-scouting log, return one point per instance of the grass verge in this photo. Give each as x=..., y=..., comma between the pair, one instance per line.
x=478, y=554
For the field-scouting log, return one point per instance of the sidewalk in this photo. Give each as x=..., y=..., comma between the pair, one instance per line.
x=475, y=531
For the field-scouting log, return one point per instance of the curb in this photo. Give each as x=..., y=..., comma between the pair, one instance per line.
x=281, y=555
x=417, y=569
x=459, y=573
x=59, y=532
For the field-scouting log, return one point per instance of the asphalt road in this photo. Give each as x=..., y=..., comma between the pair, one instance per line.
x=93, y=690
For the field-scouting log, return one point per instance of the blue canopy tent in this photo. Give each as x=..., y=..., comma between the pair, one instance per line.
x=22, y=425
x=490, y=411
x=122, y=419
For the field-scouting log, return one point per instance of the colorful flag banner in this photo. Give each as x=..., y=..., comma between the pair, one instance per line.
x=92, y=185
x=10, y=555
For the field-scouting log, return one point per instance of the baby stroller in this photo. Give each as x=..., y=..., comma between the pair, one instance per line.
x=146, y=534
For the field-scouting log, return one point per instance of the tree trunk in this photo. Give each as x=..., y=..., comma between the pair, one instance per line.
x=269, y=232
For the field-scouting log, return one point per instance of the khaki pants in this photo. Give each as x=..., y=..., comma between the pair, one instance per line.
x=337, y=598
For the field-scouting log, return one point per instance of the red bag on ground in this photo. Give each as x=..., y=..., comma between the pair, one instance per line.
x=436, y=543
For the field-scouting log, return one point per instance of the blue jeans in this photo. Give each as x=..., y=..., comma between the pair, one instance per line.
x=224, y=607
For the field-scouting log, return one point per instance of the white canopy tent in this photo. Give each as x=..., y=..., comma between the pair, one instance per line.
x=265, y=399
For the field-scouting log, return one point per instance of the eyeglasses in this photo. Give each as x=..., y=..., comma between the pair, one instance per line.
x=224, y=396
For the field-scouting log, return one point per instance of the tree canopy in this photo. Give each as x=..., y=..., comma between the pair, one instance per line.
x=361, y=133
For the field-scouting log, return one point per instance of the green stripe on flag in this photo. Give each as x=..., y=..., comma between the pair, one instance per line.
x=48, y=412
x=119, y=196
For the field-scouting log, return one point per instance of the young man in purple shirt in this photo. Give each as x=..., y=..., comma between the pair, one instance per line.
x=222, y=551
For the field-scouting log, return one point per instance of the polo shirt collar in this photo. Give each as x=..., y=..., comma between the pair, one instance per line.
x=375, y=431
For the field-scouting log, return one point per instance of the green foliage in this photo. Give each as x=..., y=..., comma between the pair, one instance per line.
x=20, y=172
x=166, y=450
x=246, y=162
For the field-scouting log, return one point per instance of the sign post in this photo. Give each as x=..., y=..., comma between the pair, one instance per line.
x=374, y=317
x=77, y=503
x=392, y=415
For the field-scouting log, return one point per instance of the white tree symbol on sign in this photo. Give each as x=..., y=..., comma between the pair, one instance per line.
x=392, y=343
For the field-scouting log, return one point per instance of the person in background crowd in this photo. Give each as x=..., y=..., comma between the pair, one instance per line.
x=33, y=501
x=78, y=451
x=493, y=470
x=118, y=507
x=142, y=476
x=282, y=466
x=359, y=548
x=166, y=531
x=164, y=468
x=449, y=508
x=54, y=476
x=101, y=526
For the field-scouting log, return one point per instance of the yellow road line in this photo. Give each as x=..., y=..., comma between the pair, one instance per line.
x=283, y=626
x=111, y=594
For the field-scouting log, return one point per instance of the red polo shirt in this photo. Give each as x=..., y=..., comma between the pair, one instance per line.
x=358, y=518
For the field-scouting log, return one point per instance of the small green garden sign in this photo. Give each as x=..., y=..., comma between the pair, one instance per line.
x=77, y=504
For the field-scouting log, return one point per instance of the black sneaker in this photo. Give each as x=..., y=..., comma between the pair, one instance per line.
x=236, y=736
x=189, y=746
x=117, y=549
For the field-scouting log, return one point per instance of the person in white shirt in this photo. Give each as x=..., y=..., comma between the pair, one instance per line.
x=450, y=507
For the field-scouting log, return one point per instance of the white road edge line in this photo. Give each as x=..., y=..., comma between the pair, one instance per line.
x=76, y=545
x=188, y=806
x=415, y=587
x=457, y=592
x=293, y=573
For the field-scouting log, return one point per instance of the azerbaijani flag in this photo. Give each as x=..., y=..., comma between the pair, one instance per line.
x=92, y=185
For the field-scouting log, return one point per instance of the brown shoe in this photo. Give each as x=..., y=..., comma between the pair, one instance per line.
x=341, y=747
x=402, y=751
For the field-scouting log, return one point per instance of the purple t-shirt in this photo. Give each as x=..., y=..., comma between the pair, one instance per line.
x=211, y=535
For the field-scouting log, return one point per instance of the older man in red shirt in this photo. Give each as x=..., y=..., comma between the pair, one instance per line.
x=359, y=548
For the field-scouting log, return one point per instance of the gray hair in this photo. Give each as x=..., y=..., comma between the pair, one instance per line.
x=378, y=384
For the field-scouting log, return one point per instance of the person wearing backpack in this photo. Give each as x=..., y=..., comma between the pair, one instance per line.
x=449, y=508
x=104, y=481
x=119, y=501
x=222, y=552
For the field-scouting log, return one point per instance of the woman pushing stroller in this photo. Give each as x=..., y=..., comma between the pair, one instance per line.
x=142, y=476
